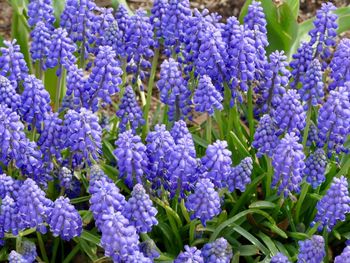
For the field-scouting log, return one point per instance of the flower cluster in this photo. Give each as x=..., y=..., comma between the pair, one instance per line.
x=312, y=250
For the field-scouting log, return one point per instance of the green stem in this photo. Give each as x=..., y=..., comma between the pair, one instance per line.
x=56, y=243
x=125, y=74
x=192, y=230
x=18, y=243
x=302, y=196
x=290, y=218
x=307, y=128
x=250, y=114
x=325, y=237
x=71, y=255
x=149, y=92
x=169, y=210
x=42, y=247
x=345, y=168
x=268, y=177
x=58, y=90
x=209, y=128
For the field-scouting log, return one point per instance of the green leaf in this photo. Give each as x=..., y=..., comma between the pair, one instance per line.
x=269, y=243
x=89, y=249
x=116, y=3
x=111, y=171
x=247, y=250
x=262, y=205
x=200, y=141
x=294, y=7
x=58, y=7
x=3, y=254
x=92, y=238
x=107, y=149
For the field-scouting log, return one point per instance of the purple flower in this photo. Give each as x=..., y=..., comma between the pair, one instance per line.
x=104, y=78
x=50, y=137
x=12, y=63
x=123, y=20
x=217, y=251
x=174, y=23
x=312, y=250
x=182, y=169
x=334, y=205
x=9, y=216
x=160, y=145
x=272, y=86
x=33, y=206
x=334, y=121
x=340, y=64
x=40, y=11
x=217, y=161
x=241, y=57
x=288, y=164
x=311, y=91
x=129, y=112
x=119, y=238
x=290, y=115
x=173, y=89
x=324, y=33
x=8, y=94
x=191, y=254
x=8, y=186
x=28, y=250
x=78, y=19
x=15, y=257
x=77, y=87
x=312, y=137
x=132, y=158
x=240, y=175
x=140, y=211
x=104, y=29
x=300, y=63
x=104, y=199
x=265, y=137
x=41, y=41
x=315, y=168
x=35, y=102
x=137, y=256
x=149, y=249
x=114, y=37
x=279, y=258
x=139, y=43
x=65, y=177
x=181, y=134
x=97, y=179
x=61, y=51
x=204, y=202
x=158, y=11
x=82, y=134
x=344, y=256
x=206, y=98
x=64, y=220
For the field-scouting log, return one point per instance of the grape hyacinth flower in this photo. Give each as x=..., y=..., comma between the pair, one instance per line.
x=64, y=220
x=180, y=133
x=334, y=205
x=119, y=238
x=77, y=87
x=300, y=63
x=160, y=145
x=340, y=64
x=324, y=32
x=182, y=169
x=123, y=20
x=114, y=37
x=41, y=41
x=139, y=43
x=149, y=249
x=35, y=102
x=9, y=216
x=28, y=250
x=265, y=137
x=191, y=254
x=33, y=206
x=279, y=258
x=97, y=178
x=290, y=115
x=104, y=78
x=312, y=137
x=334, y=121
x=206, y=98
x=173, y=24
x=15, y=257
x=50, y=137
x=273, y=85
x=8, y=186
x=315, y=168
x=82, y=134
x=137, y=256
x=140, y=211
x=158, y=11
x=255, y=21
x=217, y=251
x=132, y=158
x=65, y=177
x=105, y=198
x=312, y=250
x=129, y=111
x=8, y=94
x=204, y=202
x=240, y=175
x=40, y=11
x=311, y=91
x=12, y=63
x=288, y=163
x=344, y=256
x=217, y=161
x=173, y=89
x=61, y=51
